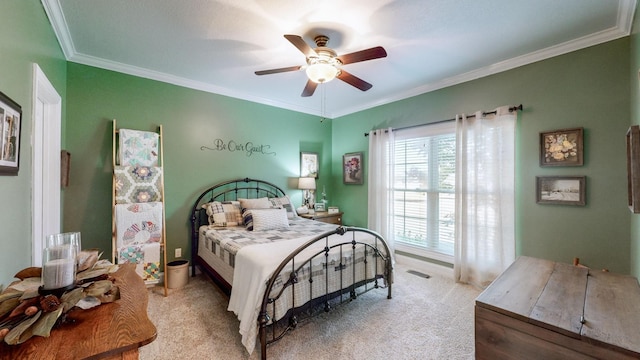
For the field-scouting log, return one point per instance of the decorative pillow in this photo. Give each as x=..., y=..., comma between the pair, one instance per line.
x=266, y=219
x=247, y=219
x=138, y=184
x=226, y=213
x=284, y=203
x=260, y=203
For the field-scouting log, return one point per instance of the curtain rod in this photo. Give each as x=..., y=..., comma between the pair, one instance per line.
x=511, y=109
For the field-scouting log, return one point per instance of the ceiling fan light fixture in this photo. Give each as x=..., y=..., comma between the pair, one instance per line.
x=321, y=72
x=324, y=65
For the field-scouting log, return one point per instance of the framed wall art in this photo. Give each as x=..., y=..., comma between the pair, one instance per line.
x=309, y=164
x=353, y=168
x=562, y=190
x=561, y=147
x=10, y=125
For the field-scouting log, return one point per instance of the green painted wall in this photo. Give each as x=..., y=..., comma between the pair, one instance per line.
x=596, y=88
x=587, y=88
x=26, y=37
x=190, y=119
x=634, y=45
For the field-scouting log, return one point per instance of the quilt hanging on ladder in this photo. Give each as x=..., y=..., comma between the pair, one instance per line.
x=139, y=210
x=138, y=237
x=138, y=148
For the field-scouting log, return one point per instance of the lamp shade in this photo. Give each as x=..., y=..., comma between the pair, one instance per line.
x=307, y=183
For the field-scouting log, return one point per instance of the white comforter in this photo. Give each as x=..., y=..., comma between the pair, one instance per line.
x=252, y=271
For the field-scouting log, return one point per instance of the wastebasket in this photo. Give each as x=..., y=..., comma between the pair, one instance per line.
x=177, y=274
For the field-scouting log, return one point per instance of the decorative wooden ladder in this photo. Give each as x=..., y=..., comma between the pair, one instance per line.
x=114, y=233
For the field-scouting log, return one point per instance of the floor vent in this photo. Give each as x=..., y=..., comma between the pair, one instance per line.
x=418, y=273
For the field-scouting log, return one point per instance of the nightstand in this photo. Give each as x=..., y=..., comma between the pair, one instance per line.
x=335, y=218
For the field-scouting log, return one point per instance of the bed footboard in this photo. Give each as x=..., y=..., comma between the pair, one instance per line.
x=338, y=266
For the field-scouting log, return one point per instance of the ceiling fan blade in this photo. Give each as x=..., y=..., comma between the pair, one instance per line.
x=275, y=71
x=354, y=81
x=309, y=89
x=363, y=55
x=302, y=45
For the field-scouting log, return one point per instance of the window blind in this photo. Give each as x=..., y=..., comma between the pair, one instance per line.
x=424, y=188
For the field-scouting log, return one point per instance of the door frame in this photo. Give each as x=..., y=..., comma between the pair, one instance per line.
x=46, y=145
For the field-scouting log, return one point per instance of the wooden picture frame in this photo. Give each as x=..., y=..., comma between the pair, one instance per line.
x=633, y=168
x=353, y=168
x=309, y=164
x=10, y=128
x=561, y=190
x=562, y=147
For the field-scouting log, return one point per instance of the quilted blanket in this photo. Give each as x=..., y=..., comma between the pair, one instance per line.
x=146, y=257
x=138, y=148
x=138, y=236
x=255, y=254
x=138, y=184
x=225, y=242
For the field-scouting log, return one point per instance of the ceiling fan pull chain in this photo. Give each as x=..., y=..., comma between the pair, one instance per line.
x=323, y=103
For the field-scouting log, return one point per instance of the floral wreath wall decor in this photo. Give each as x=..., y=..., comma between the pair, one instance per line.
x=353, y=168
x=561, y=147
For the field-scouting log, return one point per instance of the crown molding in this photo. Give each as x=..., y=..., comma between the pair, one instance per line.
x=183, y=82
x=59, y=24
x=614, y=33
x=626, y=11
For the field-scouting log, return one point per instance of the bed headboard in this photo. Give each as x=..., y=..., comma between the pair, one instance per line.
x=226, y=191
x=234, y=189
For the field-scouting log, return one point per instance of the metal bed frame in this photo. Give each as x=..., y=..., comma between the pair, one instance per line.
x=224, y=191
x=375, y=249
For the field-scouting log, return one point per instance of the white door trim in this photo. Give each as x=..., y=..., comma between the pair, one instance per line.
x=45, y=143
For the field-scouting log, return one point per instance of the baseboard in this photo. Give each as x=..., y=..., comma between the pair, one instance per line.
x=424, y=266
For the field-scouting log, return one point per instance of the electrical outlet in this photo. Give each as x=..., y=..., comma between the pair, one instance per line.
x=178, y=252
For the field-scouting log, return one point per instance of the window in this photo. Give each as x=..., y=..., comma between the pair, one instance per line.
x=424, y=190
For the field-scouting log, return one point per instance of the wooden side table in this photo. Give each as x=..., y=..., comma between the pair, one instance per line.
x=110, y=331
x=324, y=216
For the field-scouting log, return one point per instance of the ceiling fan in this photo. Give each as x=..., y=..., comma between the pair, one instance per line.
x=323, y=63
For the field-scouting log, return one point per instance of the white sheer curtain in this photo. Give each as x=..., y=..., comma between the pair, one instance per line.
x=485, y=196
x=380, y=179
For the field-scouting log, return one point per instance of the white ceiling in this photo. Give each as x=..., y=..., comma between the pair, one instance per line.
x=216, y=45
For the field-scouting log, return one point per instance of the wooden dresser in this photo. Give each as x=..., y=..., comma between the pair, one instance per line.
x=539, y=309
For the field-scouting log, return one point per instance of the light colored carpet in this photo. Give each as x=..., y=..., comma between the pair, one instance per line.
x=426, y=319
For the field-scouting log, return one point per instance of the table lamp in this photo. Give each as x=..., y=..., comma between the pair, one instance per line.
x=308, y=185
